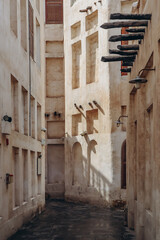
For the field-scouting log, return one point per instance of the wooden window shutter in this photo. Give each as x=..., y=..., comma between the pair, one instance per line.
x=31, y=31
x=123, y=31
x=54, y=11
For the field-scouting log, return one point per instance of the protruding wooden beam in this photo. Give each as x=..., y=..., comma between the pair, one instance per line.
x=126, y=70
x=126, y=37
x=128, y=47
x=130, y=16
x=83, y=10
x=117, y=58
x=122, y=53
x=89, y=8
x=127, y=64
x=136, y=30
x=124, y=24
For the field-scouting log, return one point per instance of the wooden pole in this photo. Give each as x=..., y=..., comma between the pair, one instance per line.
x=136, y=30
x=130, y=16
x=128, y=47
x=117, y=58
x=126, y=37
x=122, y=52
x=124, y=24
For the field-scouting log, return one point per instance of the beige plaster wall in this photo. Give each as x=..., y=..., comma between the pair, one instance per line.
x=25, y=196
x=92, y=160
x=143, y=134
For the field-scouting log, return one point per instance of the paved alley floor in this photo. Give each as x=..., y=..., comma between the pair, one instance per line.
x=69, y=221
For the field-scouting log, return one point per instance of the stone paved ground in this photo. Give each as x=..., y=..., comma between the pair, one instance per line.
x=68, y=221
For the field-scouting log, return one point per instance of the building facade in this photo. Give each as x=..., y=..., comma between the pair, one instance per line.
x=94, y=99
x=22, y=108
x=143, y=132
x=55, y=101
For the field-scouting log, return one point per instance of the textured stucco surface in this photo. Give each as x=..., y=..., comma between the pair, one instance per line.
x=25, y=196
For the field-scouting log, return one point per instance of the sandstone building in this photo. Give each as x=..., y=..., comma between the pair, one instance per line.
x=143, y=132
x=22, y=108
x=94, y=99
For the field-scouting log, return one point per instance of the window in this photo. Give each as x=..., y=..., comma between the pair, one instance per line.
x=38, y=121
x=24, y=111
x=25, y=174
x=38, y=46
x=13, y=16
x=92, y=58
x=16, y=181
x=39, y=171
x=54, y=11
x=23, y=24
x=31, y=32
x=33, y=116
x=14, y=103
x=33, y=173
x=76, y=62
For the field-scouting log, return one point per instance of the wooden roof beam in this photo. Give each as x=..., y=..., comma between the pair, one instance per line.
x=126, y=70
x=123, y=53
x=128, y=47
x=130, y=16
x=117, y=58
x=120, y=24
x=83, y=10
x=126, y=37
x=136, y=30
x=127, y=64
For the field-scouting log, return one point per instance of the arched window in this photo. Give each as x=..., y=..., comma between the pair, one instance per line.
x=123, y=165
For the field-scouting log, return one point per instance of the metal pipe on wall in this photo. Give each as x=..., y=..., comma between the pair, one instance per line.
x=29, y=59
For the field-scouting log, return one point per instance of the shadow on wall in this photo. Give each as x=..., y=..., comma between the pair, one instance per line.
x=88, y=182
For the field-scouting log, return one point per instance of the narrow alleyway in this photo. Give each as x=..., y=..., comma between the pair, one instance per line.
x=68, y=221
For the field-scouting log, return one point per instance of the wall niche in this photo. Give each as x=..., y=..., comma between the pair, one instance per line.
x=78, y=172
x=92, y=21
x=76, y=124
x=92, y=58
x=92, y=121
x=76, y=59
x=75, y=30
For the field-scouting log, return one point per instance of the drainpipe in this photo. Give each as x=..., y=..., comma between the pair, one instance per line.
x=29, y=70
